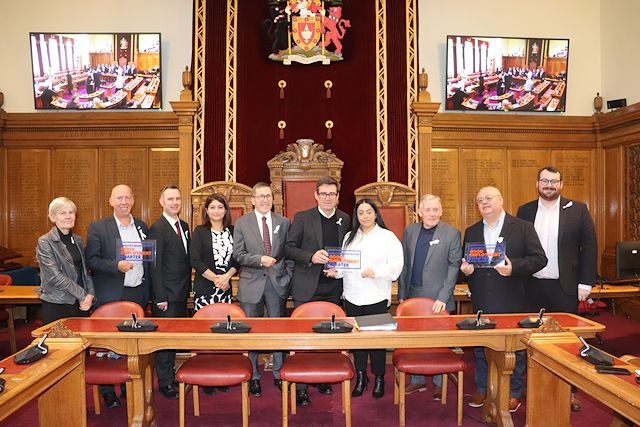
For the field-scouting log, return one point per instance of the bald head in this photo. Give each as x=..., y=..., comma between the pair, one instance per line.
x=490, y=203
x=121, y=201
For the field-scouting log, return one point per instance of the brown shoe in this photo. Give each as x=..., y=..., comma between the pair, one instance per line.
x=437, y=393
x=575, y=403
x=514, y=404
x=477, y=400
x=412, y=388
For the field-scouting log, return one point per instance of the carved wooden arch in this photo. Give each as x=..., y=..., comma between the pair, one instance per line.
x=238, y=196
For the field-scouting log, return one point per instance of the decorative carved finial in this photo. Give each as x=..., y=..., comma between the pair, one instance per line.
x=550, y=325
x=597, y=103
x=1, y=100
x=423, y=83
x=187, y=83
x=59, y=330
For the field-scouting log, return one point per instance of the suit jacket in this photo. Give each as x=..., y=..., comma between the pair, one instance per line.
x=304, y=239
x=577, y=243
x=171, y=273
x=248, y=249
x=201, y=251
x=101, y=259
x=441, y=268
x=494, y=293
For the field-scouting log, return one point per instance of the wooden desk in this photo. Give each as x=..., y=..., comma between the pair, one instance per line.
x=554, y=365
x=296, y=334
x=19, y=295
x=57, y=381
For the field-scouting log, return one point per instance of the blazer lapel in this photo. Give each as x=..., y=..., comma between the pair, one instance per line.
x=437, y=235
x=317, y=227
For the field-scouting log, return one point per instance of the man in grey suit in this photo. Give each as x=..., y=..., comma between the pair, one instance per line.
x=258, y=246
x=432, y=255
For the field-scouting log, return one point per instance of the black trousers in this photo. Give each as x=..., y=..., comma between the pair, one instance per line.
x=378, y=357
x=166, y=359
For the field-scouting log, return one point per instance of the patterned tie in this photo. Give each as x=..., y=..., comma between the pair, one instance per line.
x=178, y=229
x=265, y=236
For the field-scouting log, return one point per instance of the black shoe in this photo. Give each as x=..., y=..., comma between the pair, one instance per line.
x=111, y=400
x=302, y=398
x=169, y=392
x=254, y=388
x=278, y=383
x=378, y=387
x=361, y=384
x=209, y=390
x=223, y=389
x=324, y=388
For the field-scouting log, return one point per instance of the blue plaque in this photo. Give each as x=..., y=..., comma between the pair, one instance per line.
x=482, y=255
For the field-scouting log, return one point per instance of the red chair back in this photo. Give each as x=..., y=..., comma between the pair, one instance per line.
x=5, y=280
x=119, y=309
x=220, y=311
x=318, y=309
x=418, y=307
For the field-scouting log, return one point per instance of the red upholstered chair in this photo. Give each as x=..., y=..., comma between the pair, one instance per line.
x=104, y=370
x=425, y=361
x=215, y=369
x=317, y=367
x=6, y=314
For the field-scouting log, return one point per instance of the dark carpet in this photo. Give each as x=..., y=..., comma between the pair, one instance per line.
x=223, y=409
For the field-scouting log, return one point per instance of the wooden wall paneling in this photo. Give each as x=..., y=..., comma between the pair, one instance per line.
x=4, y=221
x=613, y=197
x=125, y=166
x=632, y=184
x=445, y=184
x=29, y=194
x=578, y=168
x=74, y=176
x=479, y=168
x=163, y=170
x=522, y=173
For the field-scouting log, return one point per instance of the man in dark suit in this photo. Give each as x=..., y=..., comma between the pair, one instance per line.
x=258, y=246
x=312, y=232
x=568, y=237
x=500, y=289
x=117, y=279
x=432, y=255
x=170, y=277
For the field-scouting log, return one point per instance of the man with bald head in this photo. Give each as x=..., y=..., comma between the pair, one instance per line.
x=117, y=280
x=500, y=289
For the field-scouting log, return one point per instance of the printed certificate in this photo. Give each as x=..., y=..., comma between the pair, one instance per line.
x=343, y=259
x=144, y=251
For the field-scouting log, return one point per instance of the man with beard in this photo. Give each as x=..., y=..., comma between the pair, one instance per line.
x=568, y=236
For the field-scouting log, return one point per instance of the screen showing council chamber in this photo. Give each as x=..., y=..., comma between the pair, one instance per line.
x=95, y=71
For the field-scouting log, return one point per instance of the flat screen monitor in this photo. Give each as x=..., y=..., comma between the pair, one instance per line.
x=488, y=73
x=96, y=71
x=628, y=260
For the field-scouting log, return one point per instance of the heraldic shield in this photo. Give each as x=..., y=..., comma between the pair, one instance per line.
x=306, y=31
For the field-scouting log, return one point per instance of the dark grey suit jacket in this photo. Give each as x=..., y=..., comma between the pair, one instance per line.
x=101, y=259
x=494, y=293
x=304, y=239
x=248, y=248
x=441, y=268
x=577, y=243
x=171, y=273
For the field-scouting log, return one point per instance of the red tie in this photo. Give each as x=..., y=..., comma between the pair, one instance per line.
x=178, y=229
x=266, y=237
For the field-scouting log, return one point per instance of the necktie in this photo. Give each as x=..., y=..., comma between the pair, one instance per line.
x=265, y=236
x=178, y=230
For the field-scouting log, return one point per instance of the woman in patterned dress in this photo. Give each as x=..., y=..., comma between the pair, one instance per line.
x=211, y=249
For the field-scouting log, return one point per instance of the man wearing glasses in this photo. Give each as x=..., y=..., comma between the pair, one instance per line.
x=568, y=237
x=500, y=289
x=312, y=232
x=258, y=246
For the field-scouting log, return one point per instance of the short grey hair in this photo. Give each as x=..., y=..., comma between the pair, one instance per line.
x=60, y=203
x=429, y=197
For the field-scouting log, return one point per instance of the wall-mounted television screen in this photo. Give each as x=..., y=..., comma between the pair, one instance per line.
x=506, y=74
x=81, y=71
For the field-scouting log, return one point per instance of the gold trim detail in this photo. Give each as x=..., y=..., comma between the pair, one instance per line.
x=199, y=44
x=412, y=96
x=381, y=90
x=231, y=100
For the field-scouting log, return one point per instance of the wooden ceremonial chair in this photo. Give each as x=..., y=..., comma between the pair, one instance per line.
x=238, y=196
x=294, y=173
x=6, y=314
x=396, y=203
x=425, y=361
x=104, y=370
x=218, y=369
x=316, y=367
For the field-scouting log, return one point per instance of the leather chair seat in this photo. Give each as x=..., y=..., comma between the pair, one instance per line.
x=102, y=370
x=429, y=361
x=215, y=370
x=317, y=368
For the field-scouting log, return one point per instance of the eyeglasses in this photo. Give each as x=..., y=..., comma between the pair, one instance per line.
x=546, y=181
x=488, y=199
x=264, y=197
x=327, y=195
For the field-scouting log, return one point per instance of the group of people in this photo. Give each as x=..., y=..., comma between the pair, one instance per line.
x=551, y=257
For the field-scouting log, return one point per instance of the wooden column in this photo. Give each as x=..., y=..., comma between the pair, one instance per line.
x=185, y=110
x=424, y=112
